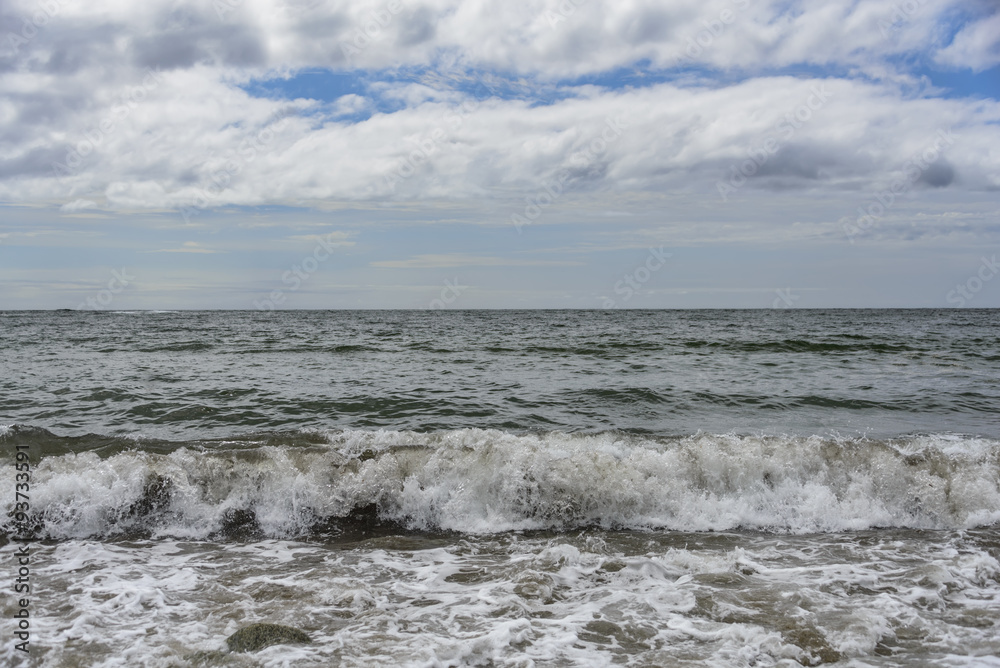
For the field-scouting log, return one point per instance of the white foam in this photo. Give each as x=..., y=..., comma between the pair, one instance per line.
x=478, y=482
x=598, y=600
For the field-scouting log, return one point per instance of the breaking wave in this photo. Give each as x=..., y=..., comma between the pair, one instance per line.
x=300, y=484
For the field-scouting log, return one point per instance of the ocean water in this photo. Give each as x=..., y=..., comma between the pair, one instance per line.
x=503, y=488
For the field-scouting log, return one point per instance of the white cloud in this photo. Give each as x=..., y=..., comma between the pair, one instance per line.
x=139, y=113
x=181, y=147
x=347, y=105
x=976, y=45
x=139, y=106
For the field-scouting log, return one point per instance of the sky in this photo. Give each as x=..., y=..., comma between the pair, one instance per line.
x=426, y=154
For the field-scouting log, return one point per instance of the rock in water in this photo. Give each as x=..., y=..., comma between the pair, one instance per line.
x=259, y=636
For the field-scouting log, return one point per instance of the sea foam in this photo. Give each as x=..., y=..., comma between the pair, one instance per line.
x=486, y=481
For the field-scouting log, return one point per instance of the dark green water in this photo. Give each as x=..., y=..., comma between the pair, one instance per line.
x=195, y=375
x=564, y=488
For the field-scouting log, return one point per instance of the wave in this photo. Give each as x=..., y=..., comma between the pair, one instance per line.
x=313, y=483
x=858, y=344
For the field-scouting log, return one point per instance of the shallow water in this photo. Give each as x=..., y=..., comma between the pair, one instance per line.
x=715, y=488
x=878, y=598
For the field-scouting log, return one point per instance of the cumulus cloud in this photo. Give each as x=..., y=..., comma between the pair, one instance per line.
x=167, y=155
x=976, y=45
x=150, y=105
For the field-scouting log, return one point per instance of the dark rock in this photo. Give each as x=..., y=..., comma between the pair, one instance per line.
x=155, y=497
x=361, y=523
x=258, y=636
x=240, y=525
x=140, y=518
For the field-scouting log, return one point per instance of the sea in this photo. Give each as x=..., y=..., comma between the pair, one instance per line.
x=501, y=488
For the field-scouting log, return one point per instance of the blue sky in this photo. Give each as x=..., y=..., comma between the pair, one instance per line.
x=574, y=154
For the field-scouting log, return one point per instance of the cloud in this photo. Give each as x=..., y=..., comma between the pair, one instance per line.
x=459, y=260
x=188, y=35
x=938, y=174
x=976, y=45
x=349, y=104
x=178, y=149
x=157, y=113
x=188, y=247
x=696, y=121
x=77, y=205
x=337, y=238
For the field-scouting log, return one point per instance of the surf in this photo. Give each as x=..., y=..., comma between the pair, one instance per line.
x=474, y=481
